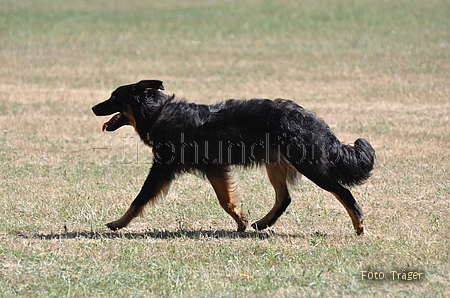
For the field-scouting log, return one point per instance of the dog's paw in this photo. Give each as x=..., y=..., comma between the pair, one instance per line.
x=360, y=231
x=258, y=226
x=114, y=225
x=242, y=228
x=242, y=224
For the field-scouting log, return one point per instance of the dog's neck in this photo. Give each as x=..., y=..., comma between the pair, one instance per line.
x=145, y=131
x=150, y=133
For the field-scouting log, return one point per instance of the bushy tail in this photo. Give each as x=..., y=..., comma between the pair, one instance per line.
x=354, y=163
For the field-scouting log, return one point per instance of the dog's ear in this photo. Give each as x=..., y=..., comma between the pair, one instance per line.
x=148, y=84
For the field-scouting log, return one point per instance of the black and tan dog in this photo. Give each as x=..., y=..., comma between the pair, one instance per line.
x=209, y=139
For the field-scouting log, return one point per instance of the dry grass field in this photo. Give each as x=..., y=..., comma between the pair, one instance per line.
x=373, y=69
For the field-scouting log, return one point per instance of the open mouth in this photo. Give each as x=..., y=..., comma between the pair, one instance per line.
x=109, y=125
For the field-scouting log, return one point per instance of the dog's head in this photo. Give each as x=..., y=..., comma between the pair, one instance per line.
x=122, y=101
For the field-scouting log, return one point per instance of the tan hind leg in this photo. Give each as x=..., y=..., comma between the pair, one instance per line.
x=341, y=193
x=353, y=209
x=225, y=193
x=277, y=175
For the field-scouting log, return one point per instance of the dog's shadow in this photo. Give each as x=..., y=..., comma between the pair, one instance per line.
x=162, y=234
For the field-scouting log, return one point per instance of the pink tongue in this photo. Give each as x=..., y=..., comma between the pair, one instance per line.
x=113, y=119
